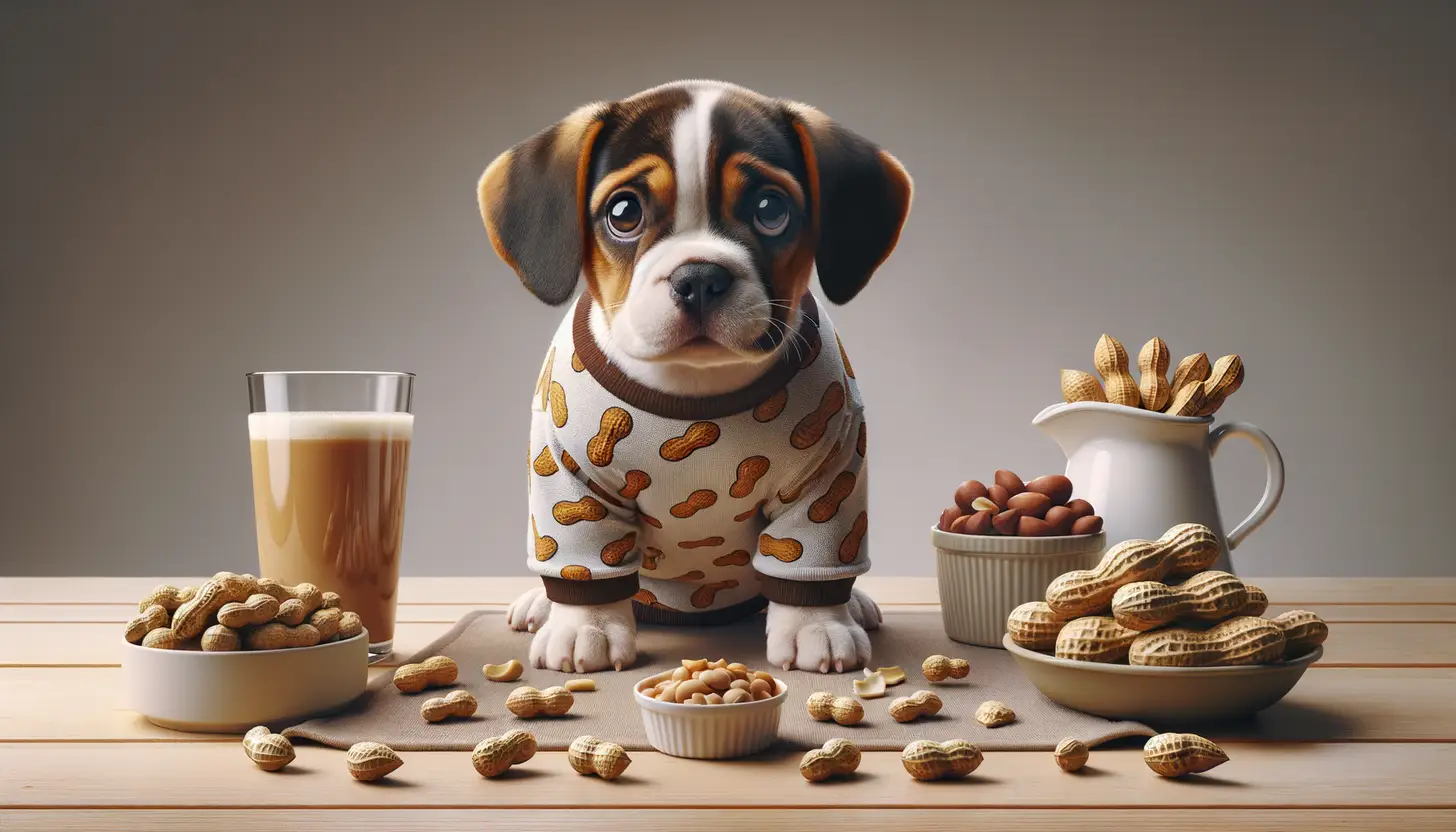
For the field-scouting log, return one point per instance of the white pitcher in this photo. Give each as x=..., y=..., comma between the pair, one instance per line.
x=1145, y=472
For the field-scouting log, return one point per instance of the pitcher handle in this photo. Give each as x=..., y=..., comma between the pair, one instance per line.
x=1273, y=483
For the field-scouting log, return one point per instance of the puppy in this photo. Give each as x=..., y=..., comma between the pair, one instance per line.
x=697, y=437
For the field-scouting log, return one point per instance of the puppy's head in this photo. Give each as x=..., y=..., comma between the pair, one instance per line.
x=696, y=212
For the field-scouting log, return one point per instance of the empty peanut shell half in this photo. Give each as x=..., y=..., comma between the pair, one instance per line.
x=508, y=672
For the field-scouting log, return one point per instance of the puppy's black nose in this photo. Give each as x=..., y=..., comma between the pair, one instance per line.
x=697, y=287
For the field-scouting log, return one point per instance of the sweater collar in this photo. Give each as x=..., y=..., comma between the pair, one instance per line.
x=668, y=406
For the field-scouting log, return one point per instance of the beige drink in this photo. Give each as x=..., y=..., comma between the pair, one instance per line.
x=328, y=494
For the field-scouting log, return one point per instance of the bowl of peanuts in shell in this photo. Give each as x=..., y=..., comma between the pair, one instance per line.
x=238, y=651
x=711, y=710
x=1152, y=633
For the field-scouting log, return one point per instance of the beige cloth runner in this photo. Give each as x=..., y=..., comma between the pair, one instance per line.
x=383, y=714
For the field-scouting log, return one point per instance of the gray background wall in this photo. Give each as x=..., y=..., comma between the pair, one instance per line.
x=191, y=191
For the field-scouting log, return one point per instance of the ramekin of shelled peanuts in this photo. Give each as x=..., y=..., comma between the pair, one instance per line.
x=1156, y=603
x=1197, y=387
x=701, y=682
x=234, y=612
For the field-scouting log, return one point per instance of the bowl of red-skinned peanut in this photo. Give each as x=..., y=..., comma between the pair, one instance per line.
x=999, y=545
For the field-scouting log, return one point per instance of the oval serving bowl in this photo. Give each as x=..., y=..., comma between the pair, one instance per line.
x=710, y=732
x=189, y=690
x=1161, y=695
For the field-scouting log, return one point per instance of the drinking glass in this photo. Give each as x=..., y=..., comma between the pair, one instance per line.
x=330, y=454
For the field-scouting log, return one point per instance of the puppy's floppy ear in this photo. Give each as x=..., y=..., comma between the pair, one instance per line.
x=859, y=196
x=533, y=201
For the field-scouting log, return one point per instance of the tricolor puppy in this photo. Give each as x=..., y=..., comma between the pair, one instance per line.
x=697, y=436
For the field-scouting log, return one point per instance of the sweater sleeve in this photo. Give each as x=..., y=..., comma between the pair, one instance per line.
x=814, y=545
x=581, y=540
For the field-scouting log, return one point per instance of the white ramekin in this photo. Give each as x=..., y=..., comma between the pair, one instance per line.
x=710, y=732
x=982, y=578
x=189, y=690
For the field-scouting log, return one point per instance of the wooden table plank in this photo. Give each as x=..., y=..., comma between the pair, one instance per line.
x=884, y=588
x=1300, y=591
x=81, y=644
x=76, y=704
x=408, y=613
x=1362, y=613
x=213, y=775
x=1072, y=819
x=448, y=613
x=412, y=590
x=1364, y=705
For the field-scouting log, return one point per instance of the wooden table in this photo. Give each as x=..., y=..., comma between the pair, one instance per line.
x=1382, y=704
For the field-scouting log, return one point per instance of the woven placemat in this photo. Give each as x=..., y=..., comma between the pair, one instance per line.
x=383, y=714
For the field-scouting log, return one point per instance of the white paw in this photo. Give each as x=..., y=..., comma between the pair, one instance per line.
x=864, y=610
x=583, y=639
x=817, y=638
x=529, y=611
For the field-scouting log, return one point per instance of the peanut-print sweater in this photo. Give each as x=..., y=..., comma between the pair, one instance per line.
x=697, y=505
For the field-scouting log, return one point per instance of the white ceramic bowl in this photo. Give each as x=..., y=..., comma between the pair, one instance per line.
x=982, y=578
x=1161, y=696
x=710, y=732
x=189, y=690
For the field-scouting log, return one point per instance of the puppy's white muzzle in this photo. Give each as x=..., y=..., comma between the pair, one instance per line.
x=652, y=322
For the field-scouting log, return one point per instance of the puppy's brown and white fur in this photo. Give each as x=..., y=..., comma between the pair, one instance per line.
x=696, y=213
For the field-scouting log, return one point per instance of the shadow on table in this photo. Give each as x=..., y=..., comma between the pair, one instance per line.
x=1288, y=722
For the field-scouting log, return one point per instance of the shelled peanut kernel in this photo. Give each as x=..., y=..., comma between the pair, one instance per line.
x=701, y=682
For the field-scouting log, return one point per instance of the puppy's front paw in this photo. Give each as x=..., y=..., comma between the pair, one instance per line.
x=529, y=611
x=811, y=638
x=864, y=610
x=583, y=639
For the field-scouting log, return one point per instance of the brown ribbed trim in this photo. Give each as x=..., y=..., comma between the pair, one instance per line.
x=709, y=618
x=658, y=403
x=806, y=593
x=586, y=593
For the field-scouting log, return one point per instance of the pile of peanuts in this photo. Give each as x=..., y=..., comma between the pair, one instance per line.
x=240, y=612
x=492, y=756
x=1156, y=603
x=525, y=702
x=1197, y=388
x=701, y=682
x=1168, y=755
x=1010, y=507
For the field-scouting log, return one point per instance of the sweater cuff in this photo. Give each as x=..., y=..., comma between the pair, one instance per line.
x=805, y=593
x=590, y=593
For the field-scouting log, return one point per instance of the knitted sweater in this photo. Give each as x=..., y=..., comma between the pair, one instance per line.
x=697, y=505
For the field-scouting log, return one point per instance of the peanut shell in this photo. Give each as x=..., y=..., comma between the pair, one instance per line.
x=927, y=760
x=1237, y=641
x=1303, y=631
x=1078, y=386
x=493, y=756
x=267, y=750
x=1071, y=754
x=1110, y=359
x=369, y=761
x=1153, y=371
x=1095, y=638
x=1034, y=626
x=1175, y=755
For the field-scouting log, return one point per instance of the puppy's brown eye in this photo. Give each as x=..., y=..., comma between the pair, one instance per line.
x=770, y=214
x=624, y=216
